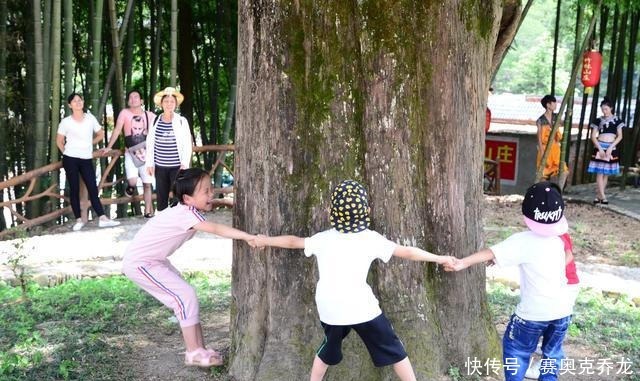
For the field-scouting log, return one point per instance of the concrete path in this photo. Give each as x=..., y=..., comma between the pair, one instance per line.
x=625, y=202
x=602, y=277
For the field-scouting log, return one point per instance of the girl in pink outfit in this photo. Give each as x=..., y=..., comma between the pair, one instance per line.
x=146, y=259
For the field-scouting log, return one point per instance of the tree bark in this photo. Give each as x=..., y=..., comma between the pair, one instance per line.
x=369, y=91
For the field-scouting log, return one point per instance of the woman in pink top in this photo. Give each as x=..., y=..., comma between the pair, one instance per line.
x=146, y=259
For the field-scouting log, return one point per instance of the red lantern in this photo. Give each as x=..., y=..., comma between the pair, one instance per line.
x=591, y=65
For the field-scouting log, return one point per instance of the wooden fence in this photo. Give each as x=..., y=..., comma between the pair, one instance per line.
x=39, y=187
x=57, y=206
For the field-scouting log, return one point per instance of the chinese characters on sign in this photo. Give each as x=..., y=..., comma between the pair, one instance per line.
x=581, y=366
x=504, y=150
x=586, y=69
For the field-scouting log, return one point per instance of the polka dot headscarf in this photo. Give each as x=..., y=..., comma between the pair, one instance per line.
x=349, y=207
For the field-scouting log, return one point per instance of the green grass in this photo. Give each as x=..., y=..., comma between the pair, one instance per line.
x=609, y=325
x=499, y=234
x=74, y=331
x=632, y=257
x=580, y=228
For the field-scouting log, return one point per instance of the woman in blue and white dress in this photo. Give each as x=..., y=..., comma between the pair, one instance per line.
x=606, y=135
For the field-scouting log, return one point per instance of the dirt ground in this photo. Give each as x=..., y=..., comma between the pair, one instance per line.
x=600, y=236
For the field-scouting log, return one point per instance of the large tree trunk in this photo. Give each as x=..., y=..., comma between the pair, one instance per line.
x=391, y=94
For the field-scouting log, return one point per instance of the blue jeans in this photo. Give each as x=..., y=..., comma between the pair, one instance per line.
x=520, y=341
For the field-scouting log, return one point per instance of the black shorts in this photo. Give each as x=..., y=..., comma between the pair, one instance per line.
x=385, y=348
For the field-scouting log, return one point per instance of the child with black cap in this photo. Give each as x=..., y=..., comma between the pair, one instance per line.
x=546, y=301
x=344, y=299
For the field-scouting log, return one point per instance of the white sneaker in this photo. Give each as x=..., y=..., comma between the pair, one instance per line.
x=78, y=225
x=107, y=223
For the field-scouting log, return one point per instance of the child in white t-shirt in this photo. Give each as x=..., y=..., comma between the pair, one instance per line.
x=344, y=299
x=146, y=260
x=546, y=301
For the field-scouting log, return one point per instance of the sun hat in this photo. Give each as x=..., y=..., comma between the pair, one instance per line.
x=349, y=207
x=543, y=209
x=157, y=99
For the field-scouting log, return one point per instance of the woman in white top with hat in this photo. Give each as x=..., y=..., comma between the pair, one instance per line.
x=169, y=144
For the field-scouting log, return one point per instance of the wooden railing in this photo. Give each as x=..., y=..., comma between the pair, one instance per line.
x=57, y=205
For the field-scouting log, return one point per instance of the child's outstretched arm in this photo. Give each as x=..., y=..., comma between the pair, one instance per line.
x=416, y=254
x=284, y=241
x=485, y=255
x=225, y=231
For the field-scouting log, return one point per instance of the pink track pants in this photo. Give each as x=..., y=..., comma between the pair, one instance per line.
x=163, y=282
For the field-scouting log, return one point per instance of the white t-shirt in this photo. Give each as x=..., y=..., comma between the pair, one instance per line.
x=79, y=135
x=544, y=294
x=343, y=296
